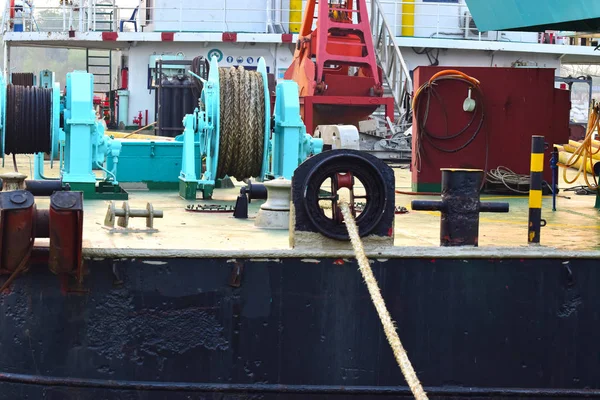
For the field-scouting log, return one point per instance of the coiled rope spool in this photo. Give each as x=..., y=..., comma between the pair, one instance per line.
x=28, y=120
x=242, y=128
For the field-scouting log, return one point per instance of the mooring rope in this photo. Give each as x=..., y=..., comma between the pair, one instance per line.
x=241, y=145
x=384, y=316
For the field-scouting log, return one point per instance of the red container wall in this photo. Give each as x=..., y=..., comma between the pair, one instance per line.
x=518, y=103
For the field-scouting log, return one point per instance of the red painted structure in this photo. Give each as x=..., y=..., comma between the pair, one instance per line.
x=335, y=67
x=518, y=103
x=21, y=223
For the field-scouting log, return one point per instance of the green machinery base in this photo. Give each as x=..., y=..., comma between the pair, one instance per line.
x=101, y=191
x=188, y=190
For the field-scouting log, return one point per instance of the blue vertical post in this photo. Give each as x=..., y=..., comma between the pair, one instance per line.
x=554, y=166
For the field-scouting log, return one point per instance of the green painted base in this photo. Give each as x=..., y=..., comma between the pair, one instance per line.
x=207, y=191
x=162, y=185
x=427, y=187
x=598, y=200
x=225, y=183
x=104, y=191
x=187, y=190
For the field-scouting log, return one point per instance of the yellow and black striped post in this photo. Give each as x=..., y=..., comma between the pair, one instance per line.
x=535, y=189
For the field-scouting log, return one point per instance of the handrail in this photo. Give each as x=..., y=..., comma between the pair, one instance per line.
x=395, y=70
x=4, y=26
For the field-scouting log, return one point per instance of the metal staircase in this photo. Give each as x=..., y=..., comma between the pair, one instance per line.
x=395, y=72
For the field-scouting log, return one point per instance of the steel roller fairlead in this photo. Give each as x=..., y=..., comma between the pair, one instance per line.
x=319, y=182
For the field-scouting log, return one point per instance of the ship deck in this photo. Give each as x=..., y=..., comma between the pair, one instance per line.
x=572, y=230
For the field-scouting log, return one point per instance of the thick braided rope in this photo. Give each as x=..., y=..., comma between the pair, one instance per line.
x=225, y=120
x=241, y=145
x=245, y=132
x=253, y=121
x=386, y=320
x=237, y=124
x=260, y=130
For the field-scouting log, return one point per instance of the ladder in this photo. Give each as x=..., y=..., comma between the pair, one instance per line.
x=99, y=63
x=396, y=75
x=103, y=16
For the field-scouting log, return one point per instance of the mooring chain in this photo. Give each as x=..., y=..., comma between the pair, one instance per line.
x=384, y=315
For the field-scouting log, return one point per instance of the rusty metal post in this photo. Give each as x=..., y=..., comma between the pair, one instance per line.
x=535, y=189
x=460, y=207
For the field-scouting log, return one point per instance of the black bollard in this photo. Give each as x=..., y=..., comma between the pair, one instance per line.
x=460, y=207
x=247, y=194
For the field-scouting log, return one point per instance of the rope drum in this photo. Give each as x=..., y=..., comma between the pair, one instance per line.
x=242, y=116
x=28, y=120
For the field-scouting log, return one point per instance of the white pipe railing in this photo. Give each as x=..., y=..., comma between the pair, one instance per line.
x=432, y=20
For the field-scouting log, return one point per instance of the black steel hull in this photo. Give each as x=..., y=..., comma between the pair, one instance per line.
x=290, y=328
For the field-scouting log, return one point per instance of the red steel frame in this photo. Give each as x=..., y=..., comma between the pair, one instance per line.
x=335, y=65
x=308, y=104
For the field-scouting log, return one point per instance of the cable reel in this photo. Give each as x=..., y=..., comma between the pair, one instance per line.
x=29, y=119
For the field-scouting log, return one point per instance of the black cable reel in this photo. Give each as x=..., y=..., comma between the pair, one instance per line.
x=354, y=176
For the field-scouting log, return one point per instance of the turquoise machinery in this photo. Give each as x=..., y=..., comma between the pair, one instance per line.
x=232, y=133
x=231, y=128
x=34, y=120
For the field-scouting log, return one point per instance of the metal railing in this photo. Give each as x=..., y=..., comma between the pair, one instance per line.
x=222, y=16
x=428, y=20
x=389, y=57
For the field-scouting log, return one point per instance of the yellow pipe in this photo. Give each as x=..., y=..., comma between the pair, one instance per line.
x=408, y=17
x=564, y=157
x=572, y=149
x=138, y=136
x=295, y=15
x=595, y=144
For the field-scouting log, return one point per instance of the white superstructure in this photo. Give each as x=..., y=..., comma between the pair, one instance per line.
x=426, y=32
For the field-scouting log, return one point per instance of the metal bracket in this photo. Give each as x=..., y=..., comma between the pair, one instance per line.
x=125, y=213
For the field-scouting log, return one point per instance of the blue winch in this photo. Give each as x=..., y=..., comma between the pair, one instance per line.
x=233, y=133
x=230, y=134
x=80, y=144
